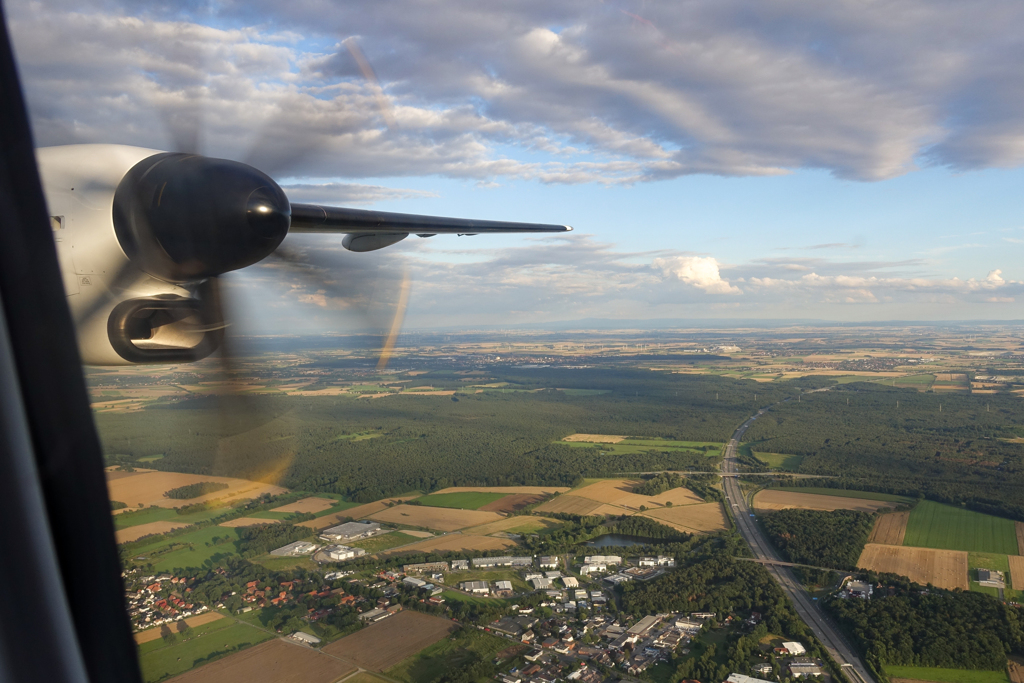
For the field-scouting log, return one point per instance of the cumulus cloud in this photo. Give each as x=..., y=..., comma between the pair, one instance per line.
x=559, y=92
x=700, y=271
x=348, y=193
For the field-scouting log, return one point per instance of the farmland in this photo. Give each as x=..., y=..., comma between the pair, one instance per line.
x=159, y=661
x=849, y=493
x=384, y=541
x=890, y=528
x=190, y=549
x=311, y=504
x=569, y=504
x=124, y=519
x=703, y=518
x=277, y=661
x=898, y=674
x=780, y=461
x=438, y=519
x=934, y=525
x=468, y=500
x=156, y=632
x=619, y=492
x=942, y=568
x=460, y=542
x=136, y=532
x=776, y=499
x=446, y=655
x=145, y=488
x=406, y=633
x=517, y=525
x=1016, y=563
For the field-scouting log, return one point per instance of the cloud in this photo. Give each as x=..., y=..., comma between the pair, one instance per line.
x=555, y=92
x=699, y=271
x=348, y=193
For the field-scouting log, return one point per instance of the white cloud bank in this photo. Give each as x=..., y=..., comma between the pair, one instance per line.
x=700, y=271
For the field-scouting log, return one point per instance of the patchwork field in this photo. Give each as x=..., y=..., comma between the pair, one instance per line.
x=516, y=525
x=513, y=502
x=466, y=500
x=1016, y=572
x=359, y=512
x=535, y=490
x=405, y=634
x=133, y=533
x=890, y=528
x=460, y=542
x=311, y=505
x=1019, y=528
x=942, y=568
x=701, y=518
x=594, y=438
x=619, y=492
x=147, y=488
x=439, y=519
x=159, y=661
x=774, y=499
x=570, y=504
x=276, y=660
x=157, y=632
x=934, y=525
x=384, y=542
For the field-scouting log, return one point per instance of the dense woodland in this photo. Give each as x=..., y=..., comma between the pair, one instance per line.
x=200, y=488
x=856, y=433
x=957, y=630
x=818, y=537
x=428, y=443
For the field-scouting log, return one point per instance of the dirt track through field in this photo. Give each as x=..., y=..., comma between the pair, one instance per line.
x=274, y=660
x=439, y=519
x=692, y=518
x=1016, y=572
x=382, y=645
x=770, y=499
x=133, y=533
x=941, y=568
x=157, y=632
x=890, y=528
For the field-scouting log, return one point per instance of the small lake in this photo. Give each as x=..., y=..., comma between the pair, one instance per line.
x=619, y=540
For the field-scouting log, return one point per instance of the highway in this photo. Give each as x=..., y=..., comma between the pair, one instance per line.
x=805, y=607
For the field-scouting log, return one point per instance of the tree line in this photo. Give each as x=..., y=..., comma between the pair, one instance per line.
x=819, y=537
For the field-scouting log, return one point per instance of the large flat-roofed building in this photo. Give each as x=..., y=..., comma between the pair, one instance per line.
x=743, y=678
x=305, y=638
x=795, y=648
x=375, y=615
x=570, y=581
x=425, y=567
x=460, y=565
x=548, y=561
x=414, y=582
x=602, y=559
x=339, y=553
x=642, y=627
x=295, y=549
x=478, y=587
x=350, y=531
x=541, y=583
x=502, y=561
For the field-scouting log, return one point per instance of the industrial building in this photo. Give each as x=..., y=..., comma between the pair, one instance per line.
x=460, y=565
x=794, y=648
x=602, y=559
x=424, y=567
x=541, y=583
x=644, y=626
x=570, y=581
x=502, y=561
x=804, y=667
x=375, y=615
x=591, y=568
x=477, y=587
x=339, y=553
x=548, y=562
x=350, y=531
x=414, y=582
x=991, y=578
x=743, y=678
x=659, y=561
x=501, y=586
x=295, y=549
x=305, y=638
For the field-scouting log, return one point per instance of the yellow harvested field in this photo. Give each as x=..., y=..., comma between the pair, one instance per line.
x=157, y=632
x=402, y=635
x=619, y=492
x=459, y=542
x=680, y=496
x=506, y=489
x=1020, y=537
x=595, y=438
x=771, y=499
x=275, y=660
x=511, y=523
x=941, y=568
x=890, y=528
x=147, y=488
x=248, y=521
x=307, y=505
x=571, y=504
x=1016, y=572
x=440, y=519
x=352, y=513
x=417, y=533
x=692, y=519
x=133, y=533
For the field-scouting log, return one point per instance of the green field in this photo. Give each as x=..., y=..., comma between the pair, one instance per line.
x=645, y=445
x=159, y=660
x=991, y=561
x=446, y=655
x=780, y=461
x=847, y=493
x=465, y=500
x=934, y=525
x=453, y=596
x=156, y=514
x=535, y=525
x=929, y=673
x=385, y=541
x=193, y=553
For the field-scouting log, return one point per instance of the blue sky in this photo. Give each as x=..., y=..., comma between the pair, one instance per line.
x=840, y=161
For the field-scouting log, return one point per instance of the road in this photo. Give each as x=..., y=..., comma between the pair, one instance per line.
x=805, y=607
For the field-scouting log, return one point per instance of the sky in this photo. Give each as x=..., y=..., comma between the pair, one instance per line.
x=844, y=160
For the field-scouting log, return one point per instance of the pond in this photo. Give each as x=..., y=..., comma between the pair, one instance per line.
x=619, y=540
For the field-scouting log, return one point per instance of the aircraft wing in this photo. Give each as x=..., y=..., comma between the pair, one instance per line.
x=333, y=219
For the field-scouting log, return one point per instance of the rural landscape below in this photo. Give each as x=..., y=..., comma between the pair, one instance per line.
x=840, y=503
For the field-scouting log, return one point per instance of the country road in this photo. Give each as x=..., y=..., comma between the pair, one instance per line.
x=805, y=607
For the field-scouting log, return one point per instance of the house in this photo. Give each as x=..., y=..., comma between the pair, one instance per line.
x=534, y=654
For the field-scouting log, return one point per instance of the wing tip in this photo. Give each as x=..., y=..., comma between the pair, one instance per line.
x=567, y=228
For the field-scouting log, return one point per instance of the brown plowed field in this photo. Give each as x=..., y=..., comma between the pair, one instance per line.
x=439, y=519
x=941, y=568
x=536, y=490
x=147, y=488
x=353, y=513
x=571, y=504
x=307, y=505
x=459, y=542
x=1016, y=572
x=248, y=521
x=157, y=632
x=135, y=532
x=692, y=518
x=510, y=503
x=890, y=528
x=1020, y=537
x=770, y=499
x=274, y=660
x=595, y=438
x=382, y=645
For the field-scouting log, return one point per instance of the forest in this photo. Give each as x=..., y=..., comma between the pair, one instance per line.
x=818, y=537
x=427, y=443
x=200, y=488
x=956, y=630
x=857, y=434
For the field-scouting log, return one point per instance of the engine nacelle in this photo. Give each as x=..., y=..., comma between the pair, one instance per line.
x=163, y=330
